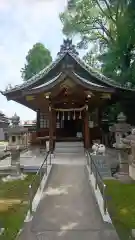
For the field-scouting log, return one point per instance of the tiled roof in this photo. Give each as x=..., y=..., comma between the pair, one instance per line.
x=60, y=56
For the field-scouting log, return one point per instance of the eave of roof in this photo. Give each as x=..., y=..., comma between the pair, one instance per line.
x=46, y=84
x=91, y=85
x=45, y=71
x=73, y=76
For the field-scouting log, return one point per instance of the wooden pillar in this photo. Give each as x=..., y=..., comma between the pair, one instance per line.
x=50, y=129
x=86, y=129
x=38, y=123
x=100, y=123
x=54, y=128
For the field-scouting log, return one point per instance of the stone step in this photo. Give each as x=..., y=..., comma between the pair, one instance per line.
x=69, y=144
x=65, y=154
x=69, y=147
x=68, y=151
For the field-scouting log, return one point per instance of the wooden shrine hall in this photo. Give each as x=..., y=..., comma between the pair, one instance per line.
x=68, y=97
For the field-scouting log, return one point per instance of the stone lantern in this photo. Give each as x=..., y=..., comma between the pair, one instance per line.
x=17, y=142
x=17, y=134
x=121, y=129
x=130, y=142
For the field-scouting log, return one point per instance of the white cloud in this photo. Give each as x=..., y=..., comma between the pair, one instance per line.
x=23, y=23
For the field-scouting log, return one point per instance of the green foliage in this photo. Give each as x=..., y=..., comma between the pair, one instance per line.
x=91, y=58
x=37, y=59
x=108, y=24
x=113, y=111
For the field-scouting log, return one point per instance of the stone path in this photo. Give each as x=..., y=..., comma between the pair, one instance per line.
x=68, y=210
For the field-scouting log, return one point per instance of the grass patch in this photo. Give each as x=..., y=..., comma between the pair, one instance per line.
x=121, y=206
x=14, y=205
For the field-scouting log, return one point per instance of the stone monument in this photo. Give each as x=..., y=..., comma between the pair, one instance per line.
x=121, y=130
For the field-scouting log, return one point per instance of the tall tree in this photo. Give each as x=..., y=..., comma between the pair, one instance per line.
x=37, y=58
x=109, y=24
x=119, y=58
x=94, y=20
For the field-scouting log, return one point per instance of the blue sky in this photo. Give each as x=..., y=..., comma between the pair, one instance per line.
x=22, y=24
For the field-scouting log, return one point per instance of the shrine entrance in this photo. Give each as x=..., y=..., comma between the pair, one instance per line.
x=73, y=128
x=69, y=126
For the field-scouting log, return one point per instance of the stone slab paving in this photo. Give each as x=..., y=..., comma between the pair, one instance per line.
x=29, y=158
x=35, y=158
x=68, y=210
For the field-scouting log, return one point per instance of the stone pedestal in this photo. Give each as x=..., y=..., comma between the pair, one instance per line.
x=15, y=162
x=123, y=152
x=15, y=167
x=123, y=160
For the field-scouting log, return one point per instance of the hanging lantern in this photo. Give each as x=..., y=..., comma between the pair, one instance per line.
x=68, y=115
x=63, y=116
x=74, y=116
x=80, y=116
x=58, y=116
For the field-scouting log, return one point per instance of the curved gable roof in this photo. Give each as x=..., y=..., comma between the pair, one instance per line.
x=66, y=50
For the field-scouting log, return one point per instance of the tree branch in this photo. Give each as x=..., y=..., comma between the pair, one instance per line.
x=103, y=37
x=117, y=10
x=104, y=13
x=100, y=26
x=105, y=30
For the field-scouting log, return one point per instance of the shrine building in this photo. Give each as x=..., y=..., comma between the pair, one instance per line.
x=69, y=97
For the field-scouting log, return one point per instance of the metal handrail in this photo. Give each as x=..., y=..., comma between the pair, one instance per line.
x=95, y=166
x=97, y=174
x=40, y=173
